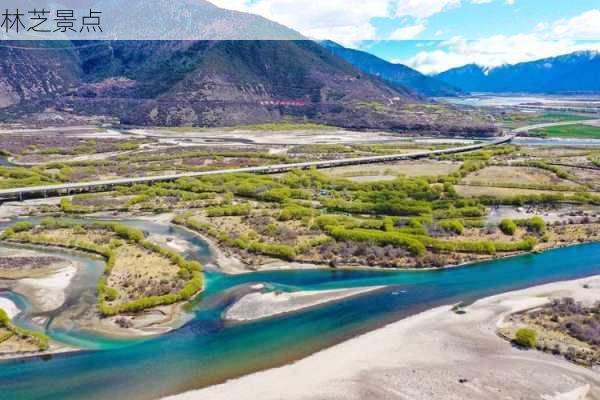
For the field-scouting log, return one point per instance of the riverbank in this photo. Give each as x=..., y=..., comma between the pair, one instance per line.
x=17, y=347
x=48, y=293
x=428, y=356
x=9, y=307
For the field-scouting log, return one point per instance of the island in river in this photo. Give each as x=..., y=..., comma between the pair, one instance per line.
x=438, y=354
x=129, y=302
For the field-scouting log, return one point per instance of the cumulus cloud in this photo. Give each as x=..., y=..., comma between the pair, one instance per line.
x=346, y=21
x=546, y=40
x=582, y=26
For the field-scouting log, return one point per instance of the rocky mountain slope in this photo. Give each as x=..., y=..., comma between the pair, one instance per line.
x=210, y=83
x=395, y=73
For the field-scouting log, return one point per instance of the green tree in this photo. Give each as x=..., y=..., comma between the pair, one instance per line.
x=526, y=337
x=537, y=225
x=508, y=226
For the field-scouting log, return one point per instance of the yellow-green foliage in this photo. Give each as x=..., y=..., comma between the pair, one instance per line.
x=526, y=337
x=454, y=226
x=188, y=269
x=38, y=338
x=228, y=210
x=293, y=212
x=535, y=224
x=508, y=226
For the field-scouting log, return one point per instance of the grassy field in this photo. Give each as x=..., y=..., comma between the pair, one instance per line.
x=515, y=120
x=561, y=117
x=518, y=177
x=407, y=168
x=570, y=131
x=501, y=192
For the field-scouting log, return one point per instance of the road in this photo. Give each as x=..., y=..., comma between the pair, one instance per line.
x=95, y=186
x=550, y=124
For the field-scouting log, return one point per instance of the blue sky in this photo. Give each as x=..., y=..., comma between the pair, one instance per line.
x=434, y=35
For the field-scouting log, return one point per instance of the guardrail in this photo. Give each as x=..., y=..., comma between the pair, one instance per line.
x=96, y=186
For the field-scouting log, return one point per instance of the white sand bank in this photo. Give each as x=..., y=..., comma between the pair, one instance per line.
x=47, y=293
x=434, y=355
x=262, y=305
x=9, y=307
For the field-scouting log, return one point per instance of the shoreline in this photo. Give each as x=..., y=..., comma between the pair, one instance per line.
x=222, y=259
x=258, y=305
x=230, y=264
x=10, y=307
x=154, y=322
x=427, y=356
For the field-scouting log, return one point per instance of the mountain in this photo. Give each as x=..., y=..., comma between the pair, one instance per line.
x=577, y=72
x=395, y=73
x=210, y=83
x=186, y=82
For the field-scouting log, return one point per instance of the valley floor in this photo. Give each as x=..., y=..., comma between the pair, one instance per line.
x=434, y=355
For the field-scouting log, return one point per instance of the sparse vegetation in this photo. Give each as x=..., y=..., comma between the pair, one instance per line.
x=139, y=274
x=8, y=330
x=565, y=327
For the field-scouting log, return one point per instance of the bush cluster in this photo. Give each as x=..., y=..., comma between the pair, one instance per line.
x=187, y=269
x=40, y=339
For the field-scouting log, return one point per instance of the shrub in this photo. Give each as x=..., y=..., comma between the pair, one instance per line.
x=22, y=226
x=378, y=237
x=537, y=225
x=8, y=232
x=534, y=224
x=228, y=210
x=111, y=294
x=453, y=225
x=295, y=212
x=526, y=337
x=508, y=226
x=188, y=269
x=39, y=338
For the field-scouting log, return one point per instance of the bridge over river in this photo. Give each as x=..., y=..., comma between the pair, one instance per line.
x=66, y=189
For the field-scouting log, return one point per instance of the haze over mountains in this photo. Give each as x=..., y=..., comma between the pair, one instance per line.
x=577, y=72
x=396, y=73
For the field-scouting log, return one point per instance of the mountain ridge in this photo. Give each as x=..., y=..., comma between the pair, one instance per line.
x=396, y=73
x=577, y=72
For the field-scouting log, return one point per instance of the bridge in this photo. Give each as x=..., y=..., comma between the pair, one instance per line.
x=65, y=189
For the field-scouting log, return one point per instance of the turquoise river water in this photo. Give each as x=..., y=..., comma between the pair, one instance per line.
x=207, y=350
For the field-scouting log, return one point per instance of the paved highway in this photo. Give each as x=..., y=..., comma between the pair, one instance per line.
x=95, y=186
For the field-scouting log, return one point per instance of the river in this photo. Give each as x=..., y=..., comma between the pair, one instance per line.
x=207, y=350
x=4, y=162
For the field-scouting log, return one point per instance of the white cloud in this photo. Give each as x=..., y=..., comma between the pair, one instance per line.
x=423, y=8
x=407, y=32
x=509, y=2
x=546, y=40
x=582, y=26
x=492, y=51
x=345, y=21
